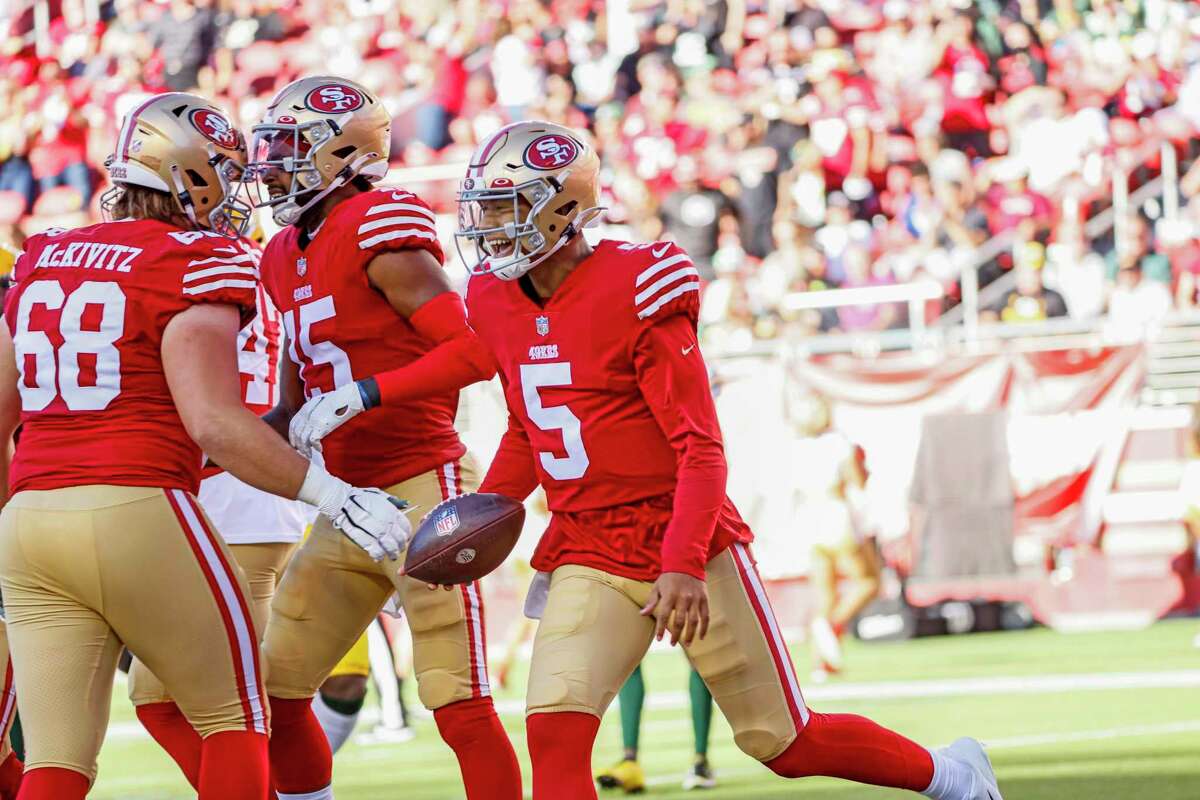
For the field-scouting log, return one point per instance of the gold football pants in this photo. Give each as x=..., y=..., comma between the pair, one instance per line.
x=332, y=590
x=592, y=635
x=263, y=566
x=86, y=569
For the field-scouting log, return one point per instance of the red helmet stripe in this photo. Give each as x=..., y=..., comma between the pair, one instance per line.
x=486, y=153
x=126, y=137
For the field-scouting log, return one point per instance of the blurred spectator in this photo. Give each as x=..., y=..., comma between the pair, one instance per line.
x=16, y=175
x=1029, y=300
x=1136, y=300
x=185, y=37
x=910, y=130
x=691, y=215
x=1136, y=249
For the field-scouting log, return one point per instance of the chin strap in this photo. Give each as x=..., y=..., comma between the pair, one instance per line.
x=344, y=176
x=183, y=197
x=581, y=221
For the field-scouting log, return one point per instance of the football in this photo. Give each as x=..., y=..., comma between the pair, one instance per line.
x=464, y=538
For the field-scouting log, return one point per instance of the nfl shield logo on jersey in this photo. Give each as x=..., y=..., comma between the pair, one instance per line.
x=301, y=266
x=543, y=325
x=447, y=522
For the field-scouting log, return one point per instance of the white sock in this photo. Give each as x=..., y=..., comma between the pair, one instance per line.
x=337, y=727
x=319, y=794
x=952, y=779
x=383, y=670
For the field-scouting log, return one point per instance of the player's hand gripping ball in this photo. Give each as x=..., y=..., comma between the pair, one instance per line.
x=464, y=538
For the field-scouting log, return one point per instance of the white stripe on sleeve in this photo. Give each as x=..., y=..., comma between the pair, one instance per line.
x=392, y=235
x=389, y=221
x=662, y=283
x=413, y=207
x=668, y=297
x=659, y=266
x=213, y=285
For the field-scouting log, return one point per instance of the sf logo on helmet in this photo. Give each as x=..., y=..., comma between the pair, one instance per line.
x=215, y=128
x=334, y=98
x=551, y=152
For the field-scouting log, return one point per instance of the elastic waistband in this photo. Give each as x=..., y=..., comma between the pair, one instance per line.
x=82, y=498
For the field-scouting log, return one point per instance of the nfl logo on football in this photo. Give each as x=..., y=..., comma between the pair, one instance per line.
x=447, y=523
x=301, y=266
x=543, y=325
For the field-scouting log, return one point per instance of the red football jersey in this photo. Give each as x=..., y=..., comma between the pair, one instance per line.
x=340, y=329
x=258, y=361
x=572, y=387
x=258, y=356
x=87, y=318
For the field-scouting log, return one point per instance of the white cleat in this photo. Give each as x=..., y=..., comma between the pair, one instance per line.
x=383, y=734
x=970, y=752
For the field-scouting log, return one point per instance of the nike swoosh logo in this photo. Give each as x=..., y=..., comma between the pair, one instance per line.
x=659, y=252
x=687, y=350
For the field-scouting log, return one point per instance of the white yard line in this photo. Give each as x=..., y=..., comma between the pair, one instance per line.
x=880, y=690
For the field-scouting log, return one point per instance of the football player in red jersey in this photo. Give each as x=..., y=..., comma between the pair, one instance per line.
x=261, y=530
x=357, y=274
x=610, y=411
x=118, y=360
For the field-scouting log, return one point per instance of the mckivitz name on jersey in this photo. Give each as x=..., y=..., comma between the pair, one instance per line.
x=89, y=255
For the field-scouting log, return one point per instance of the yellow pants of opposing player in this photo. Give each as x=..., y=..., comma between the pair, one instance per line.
x=262, y=565
x=86, y=569
x=592, y=635
x=332, y=590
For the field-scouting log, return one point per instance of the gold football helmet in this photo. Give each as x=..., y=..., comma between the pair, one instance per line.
x=185, y=146
x=547, y=176
x=323, y=132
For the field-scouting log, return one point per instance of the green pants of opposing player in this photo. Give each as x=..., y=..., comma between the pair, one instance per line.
x=632, y=698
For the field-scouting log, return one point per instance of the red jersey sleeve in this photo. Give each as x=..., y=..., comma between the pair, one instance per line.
x=673, y=380
x=668, y=284
x=512, y=472
x=217, y=269
x=393, y=220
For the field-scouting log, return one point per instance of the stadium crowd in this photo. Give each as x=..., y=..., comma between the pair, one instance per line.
x=785, y=144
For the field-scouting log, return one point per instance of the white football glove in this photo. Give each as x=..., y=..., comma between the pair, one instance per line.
x=322, y=415
x=372, y=518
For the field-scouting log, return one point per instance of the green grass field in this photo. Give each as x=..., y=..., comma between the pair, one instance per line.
x=1096, y=716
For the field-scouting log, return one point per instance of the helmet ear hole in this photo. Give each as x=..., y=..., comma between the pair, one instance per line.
x=565, y=209
x=196, y=178
x=342, y=152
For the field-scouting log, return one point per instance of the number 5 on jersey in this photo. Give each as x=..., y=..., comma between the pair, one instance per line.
x=554, y=418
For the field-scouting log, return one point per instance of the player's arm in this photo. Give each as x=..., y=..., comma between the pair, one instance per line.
x=512, y=472
x=291, y=392
x=199, y=357
x=415, y=285
x=10, y=407
x=673, y=379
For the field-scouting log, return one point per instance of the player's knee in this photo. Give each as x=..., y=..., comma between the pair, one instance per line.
x=345, y=688
x=440, y=687
x=760, y=744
